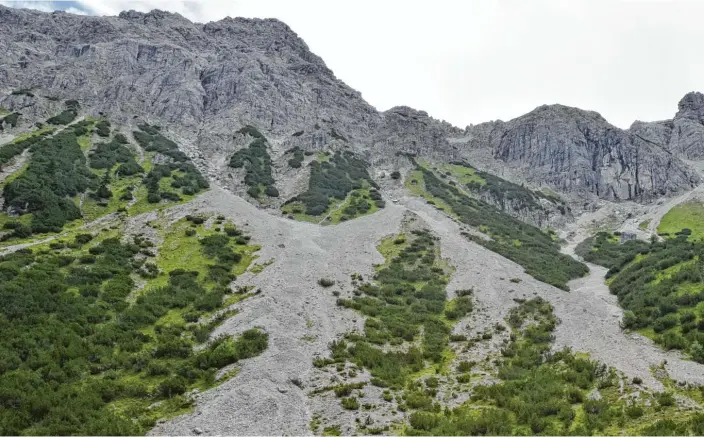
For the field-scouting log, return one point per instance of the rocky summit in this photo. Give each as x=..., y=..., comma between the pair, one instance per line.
x=205, y=81
x=203, y=231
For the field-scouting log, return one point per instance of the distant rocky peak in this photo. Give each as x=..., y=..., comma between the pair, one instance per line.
x=154, y=15
x=554, y=112
x=691, y=106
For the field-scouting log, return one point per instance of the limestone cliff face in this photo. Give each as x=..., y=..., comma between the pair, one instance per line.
x=574, y=150
x=683, y=136
x=203, y=82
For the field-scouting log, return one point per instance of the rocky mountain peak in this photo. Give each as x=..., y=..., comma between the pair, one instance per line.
x=203, y=82
x=691, y=106
x=554, y=112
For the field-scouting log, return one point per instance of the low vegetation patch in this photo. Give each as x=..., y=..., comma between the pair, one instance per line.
x=688, y=215
x=56, y=172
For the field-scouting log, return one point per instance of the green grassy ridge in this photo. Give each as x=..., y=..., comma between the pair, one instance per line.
x=482, y=183
x=659, y=286
x=688, y=215
x=520, y=242
x=143, y=343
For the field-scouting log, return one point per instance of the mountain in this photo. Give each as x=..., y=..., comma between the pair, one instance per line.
x=203, y=82
x=204, y=232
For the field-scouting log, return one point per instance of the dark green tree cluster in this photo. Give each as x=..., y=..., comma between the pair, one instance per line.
x=56, y=171
x=540, y=392
x=408, y=297
x=256, y=161
x=297, y=160
x=102, y=128
x=106, y=155
x=520, y=242
x=151, y=140
x=10, y=150
x=333, y=179
x=73, y=342
x=648, y=280
x=65, y=117
x=9, y=120
x=190, y=181
x=605, y=249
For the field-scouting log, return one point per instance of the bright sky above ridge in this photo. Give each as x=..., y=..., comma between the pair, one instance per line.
x=470, y=62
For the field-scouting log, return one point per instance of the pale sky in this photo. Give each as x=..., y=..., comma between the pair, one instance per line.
x=473, y=61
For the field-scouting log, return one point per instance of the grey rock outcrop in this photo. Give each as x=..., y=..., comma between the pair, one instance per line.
x=683, y=136
x=574, y=150
x=203, y=82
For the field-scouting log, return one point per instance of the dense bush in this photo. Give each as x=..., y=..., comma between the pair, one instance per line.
x=409, y=296
x=56, y=172
x=257, y=163
x=102, y=128
x=520, y=242
x=106, y=155
x=647, y=279
x=74, y=341
x=183, y=173
x=505, y=192
x=65, y=117
x=297, y=160
x=332, y=179
x=10, y=150
x=151, y=140
x=606, y=250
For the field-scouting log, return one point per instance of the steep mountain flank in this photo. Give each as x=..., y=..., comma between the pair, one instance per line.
x=204, y=82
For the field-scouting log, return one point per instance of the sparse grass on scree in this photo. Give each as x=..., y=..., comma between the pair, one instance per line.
x=405, y=343
x=408, y=298
x=520, y=242
x=102, y=358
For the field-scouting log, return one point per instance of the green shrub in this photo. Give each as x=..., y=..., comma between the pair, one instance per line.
x=350, y=403
x=325, y=282
x=271, y=191
x=102, y=128
x=65, y=117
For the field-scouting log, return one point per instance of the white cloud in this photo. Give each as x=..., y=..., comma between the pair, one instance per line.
x=44, y=6
x=469, y=62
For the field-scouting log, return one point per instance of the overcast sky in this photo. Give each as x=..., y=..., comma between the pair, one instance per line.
x=474, y=61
